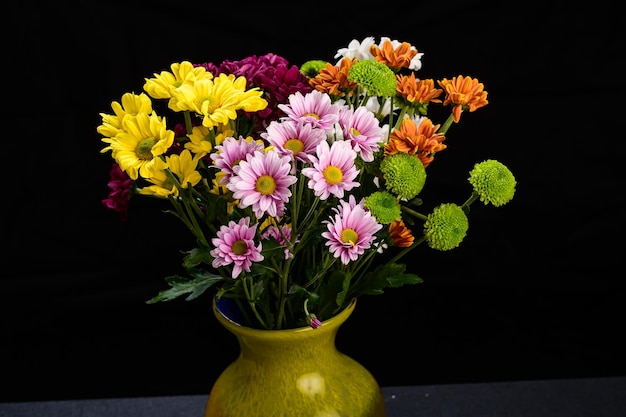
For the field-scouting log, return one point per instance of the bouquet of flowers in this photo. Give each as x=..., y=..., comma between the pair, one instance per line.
x=301, y=185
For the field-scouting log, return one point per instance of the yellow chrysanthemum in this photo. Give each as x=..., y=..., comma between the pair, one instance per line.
x=222, y=190
x=183, y=166
x=223, y=132
x=164, y=84
x=218, y=100
x=132, y=104
x=200, y=140
x=137, y=149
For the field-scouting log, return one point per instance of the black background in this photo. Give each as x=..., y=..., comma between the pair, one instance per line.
x=535, y=291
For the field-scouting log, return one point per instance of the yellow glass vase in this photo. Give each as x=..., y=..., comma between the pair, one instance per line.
x=295, y=372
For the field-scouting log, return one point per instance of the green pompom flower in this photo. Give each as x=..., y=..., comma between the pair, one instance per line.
x=376, y=78
x=493, y=182
x=311, y=68
x=446, y=227
x=404, y=175
x=384, y=207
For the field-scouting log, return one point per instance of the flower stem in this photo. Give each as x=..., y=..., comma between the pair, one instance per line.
x=414, y=213
x=444, y=128
x=406, y=250
x=188, y=125
x=471, y=199
x=247, y=280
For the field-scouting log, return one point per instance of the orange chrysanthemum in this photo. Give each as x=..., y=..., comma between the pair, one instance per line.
x=417, y=91
x=400, y=234
x=397, y=58
x=333, y=79
x=465, y=93
x=421, y=140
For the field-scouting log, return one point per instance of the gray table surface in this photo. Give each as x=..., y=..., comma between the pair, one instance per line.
x=588, y=397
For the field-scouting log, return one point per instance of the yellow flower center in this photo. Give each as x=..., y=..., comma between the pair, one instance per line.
x=332, y=175
x=349, y=236
x=239, y=247
x=144, y=149
x=265, y=184
x=355, y=132
x=316, y=116
x=295, y=145
x=208, y=104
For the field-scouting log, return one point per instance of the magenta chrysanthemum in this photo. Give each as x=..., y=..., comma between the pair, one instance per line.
x=294, y=138
x=231, y=152
x=315, y=108
x=271, y=73
x=350, y=231
x=333, y=170
x=234, y=244
x=120, y=186
x=361, y=128
x=262, y=181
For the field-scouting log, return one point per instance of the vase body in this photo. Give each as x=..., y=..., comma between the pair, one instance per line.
x=293, y=373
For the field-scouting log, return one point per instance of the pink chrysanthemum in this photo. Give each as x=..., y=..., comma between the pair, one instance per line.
x=273, y=232
x=262, y=181
x=294, y=138
x=234, y=244
x=361, y=128
x=231, y=152
x=350, y=231
x=315, y=108
x=333, y=170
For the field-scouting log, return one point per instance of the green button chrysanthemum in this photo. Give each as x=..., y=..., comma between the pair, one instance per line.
x=383, y=206
x=377, y=78
x=404, y=175
x=311, y=68
x=446, y=227
x=493, y=182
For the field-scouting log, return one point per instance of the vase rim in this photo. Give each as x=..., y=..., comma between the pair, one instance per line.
x=334, y=321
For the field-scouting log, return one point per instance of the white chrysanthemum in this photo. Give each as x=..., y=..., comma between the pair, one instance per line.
x=356, y=49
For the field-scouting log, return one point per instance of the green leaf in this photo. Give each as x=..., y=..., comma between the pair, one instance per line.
x=180, y=286
x=387, y=276
x=197, y=256
x=332, y=293
x=271, y=248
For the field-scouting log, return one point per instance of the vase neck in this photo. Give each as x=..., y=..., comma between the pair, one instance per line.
x=288, y=343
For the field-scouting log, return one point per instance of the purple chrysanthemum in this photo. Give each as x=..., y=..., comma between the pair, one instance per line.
x=234, y=244
x=350, y=231
x=333, y=170
x=262, y=181
x=361, y=128
x=231, y=152
x=315, y=108
x=294, y=138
